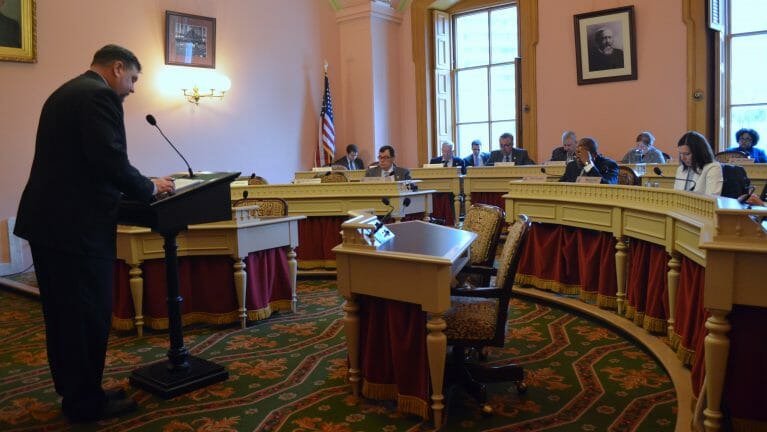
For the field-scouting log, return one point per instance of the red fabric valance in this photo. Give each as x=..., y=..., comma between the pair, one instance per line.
x=647, y=285
x=443, y=207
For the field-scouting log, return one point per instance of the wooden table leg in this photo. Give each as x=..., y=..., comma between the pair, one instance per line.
x=136, y=283
x=717, y=348
x=352, y=330
x=240, y=283
x=293, y=272
x=673, y=283
x=436, y=349
x=620, y=272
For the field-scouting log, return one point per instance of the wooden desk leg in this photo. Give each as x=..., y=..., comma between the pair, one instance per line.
x=240, y=282
x=137, y=293
x=427, y=210
x=620, y=272
x=717, y=348
x=457, y=210
x=673, y=283
x=436, y=349
x=352, y=330
x=467, y=200
x=293, y=272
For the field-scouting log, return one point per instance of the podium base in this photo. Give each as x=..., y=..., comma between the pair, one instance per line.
x=161, y=380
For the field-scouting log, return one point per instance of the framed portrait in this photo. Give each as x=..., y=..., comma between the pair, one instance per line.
x=17, y=31
x=190, y=40
x=605, y=46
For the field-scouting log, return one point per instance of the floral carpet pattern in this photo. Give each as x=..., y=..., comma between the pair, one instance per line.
x=287, y=373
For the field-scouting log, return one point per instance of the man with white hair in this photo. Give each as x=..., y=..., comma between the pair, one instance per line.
x=602, y=54
x=448, y=159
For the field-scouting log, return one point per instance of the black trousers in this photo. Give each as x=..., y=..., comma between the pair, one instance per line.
x=76, y=294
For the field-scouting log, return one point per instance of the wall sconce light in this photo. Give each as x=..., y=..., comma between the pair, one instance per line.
x=194, y=95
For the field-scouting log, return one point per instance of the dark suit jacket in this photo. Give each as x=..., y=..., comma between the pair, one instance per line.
x=518, y=156
x=559, y=154
x=79, y=171
x=469, y=160
x=358, y=164
x=457, y=162
x=603, y=167
x=399, y=173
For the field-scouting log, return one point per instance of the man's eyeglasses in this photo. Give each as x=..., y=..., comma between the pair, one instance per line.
x=507, y=145
x=384, y=157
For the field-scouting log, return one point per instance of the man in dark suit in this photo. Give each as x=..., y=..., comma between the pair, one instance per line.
x=351, y=161
x=448, y=159
x=567, y=151
x=68, y=213
x=508, y=153
x=588, y=162
x=602, y=54
x=477, y=158
x=386, y=167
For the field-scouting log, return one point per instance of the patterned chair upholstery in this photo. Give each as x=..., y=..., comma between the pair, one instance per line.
x=333, y=177
x=266, y=206
x=255, y=180
x=627, y=176
x=725, y=156
x=477, y=319
x=487, y=222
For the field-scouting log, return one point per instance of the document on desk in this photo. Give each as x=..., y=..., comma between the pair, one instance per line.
x=183, y=183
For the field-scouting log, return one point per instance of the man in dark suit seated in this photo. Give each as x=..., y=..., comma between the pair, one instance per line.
x=588, y=162
x=448, y=159
x=508, y=153
x=386, y=167
x=351, y=161
x=477, y=158
x=567, y=151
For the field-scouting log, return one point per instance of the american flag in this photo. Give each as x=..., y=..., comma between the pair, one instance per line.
x=327, y=140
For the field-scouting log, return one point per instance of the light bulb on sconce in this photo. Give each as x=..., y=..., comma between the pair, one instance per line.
x=194, y=95
x=217, y=83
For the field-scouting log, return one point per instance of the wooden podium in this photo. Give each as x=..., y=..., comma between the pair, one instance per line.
x=419, y=261
x=205, y=198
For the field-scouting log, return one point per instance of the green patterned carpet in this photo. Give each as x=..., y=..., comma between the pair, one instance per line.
x=287, y=374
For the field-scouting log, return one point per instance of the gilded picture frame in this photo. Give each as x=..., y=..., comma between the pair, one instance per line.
x=18, y=33
x=190, y=40
x=605, y=46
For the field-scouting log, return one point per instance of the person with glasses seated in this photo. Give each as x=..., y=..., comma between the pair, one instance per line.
x=698, y=171
x=508, y=153
x=386, y=166
x=747, y=140
x=351, y=161
x=589, y=163
x=448, y=159
x=644, y=152
x=565, y=153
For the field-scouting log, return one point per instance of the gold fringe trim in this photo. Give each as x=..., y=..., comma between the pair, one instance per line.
x=281, y=305
x=746, y=425
x=685, y=355
x=122, y=324
x=630, y=313
x=607, y=302
x=413, y=405
x=547, y=284
x=379, y=391
x=588, y=296
x=654, y=325
x=406, y=404
x=316, y=264
x=259, y=314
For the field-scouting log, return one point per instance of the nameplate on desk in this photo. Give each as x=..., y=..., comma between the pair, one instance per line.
x=307, y=181
x=377, y=179
x=555, y=163
x=240, y=183
x=588, y=179
x=505, y=164
x=433, y=165
x=539, y=178
x=322, y=169
x=741, y=161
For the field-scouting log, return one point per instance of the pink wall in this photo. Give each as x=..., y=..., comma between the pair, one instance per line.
x=273, y=53
x=613, y=113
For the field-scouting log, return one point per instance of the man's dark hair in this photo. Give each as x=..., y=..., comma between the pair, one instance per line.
x=754, y=134
x=700, y=150
x=111, y=53
x=352, y=148
x=589, y=144
x=506, y=135
x=476, y=142
x=387, y=147
x=647, y=137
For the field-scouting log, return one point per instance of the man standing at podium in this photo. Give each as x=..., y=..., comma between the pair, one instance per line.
x=68, y=213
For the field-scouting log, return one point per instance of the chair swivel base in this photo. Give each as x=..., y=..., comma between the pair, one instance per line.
x=472, y=377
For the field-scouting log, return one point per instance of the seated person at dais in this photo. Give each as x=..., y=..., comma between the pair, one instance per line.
x=386, y=166
x=351, y=161
x=588, y=162
x=645, y=151
x=747, y=140
x=448, y=159
x=567, y=151
x=508, y=153
x=698, y=171
x=477, y=157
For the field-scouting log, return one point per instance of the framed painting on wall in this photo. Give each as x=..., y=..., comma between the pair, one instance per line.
x=17, y=31
x=605, y=46
x=190, y=40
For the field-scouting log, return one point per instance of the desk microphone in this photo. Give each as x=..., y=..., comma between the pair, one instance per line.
x=387, y=216
x=743, y=198
x=152, y=121
x=659, y=172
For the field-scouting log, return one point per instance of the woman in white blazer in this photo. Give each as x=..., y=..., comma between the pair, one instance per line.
x=698, y=170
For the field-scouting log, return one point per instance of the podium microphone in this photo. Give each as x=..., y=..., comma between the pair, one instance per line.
x=659, y=172
x=152, y=121
x=387, y=216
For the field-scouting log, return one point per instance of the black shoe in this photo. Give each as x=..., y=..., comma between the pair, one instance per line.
x=112, y=408
x=115, y=393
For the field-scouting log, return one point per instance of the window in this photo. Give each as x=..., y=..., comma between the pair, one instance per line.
x=746, y=46
x=485, y=46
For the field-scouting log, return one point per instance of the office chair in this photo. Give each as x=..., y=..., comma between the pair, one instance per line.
x=478, y=318
x=627, y=176
x=735, y=181
x=725, y=156
x=487, y=222
x=333, y=177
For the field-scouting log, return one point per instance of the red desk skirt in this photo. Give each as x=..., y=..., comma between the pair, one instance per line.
x=207, y=285
x=492, y=198
x=443, y=207
x=647, y=286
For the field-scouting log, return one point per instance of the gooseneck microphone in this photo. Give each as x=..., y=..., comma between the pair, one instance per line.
x=386, y=217
x=659, y=172
x=152, y=121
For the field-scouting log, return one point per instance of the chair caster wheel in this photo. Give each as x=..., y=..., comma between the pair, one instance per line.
x=487, y=410
x=521, y=387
